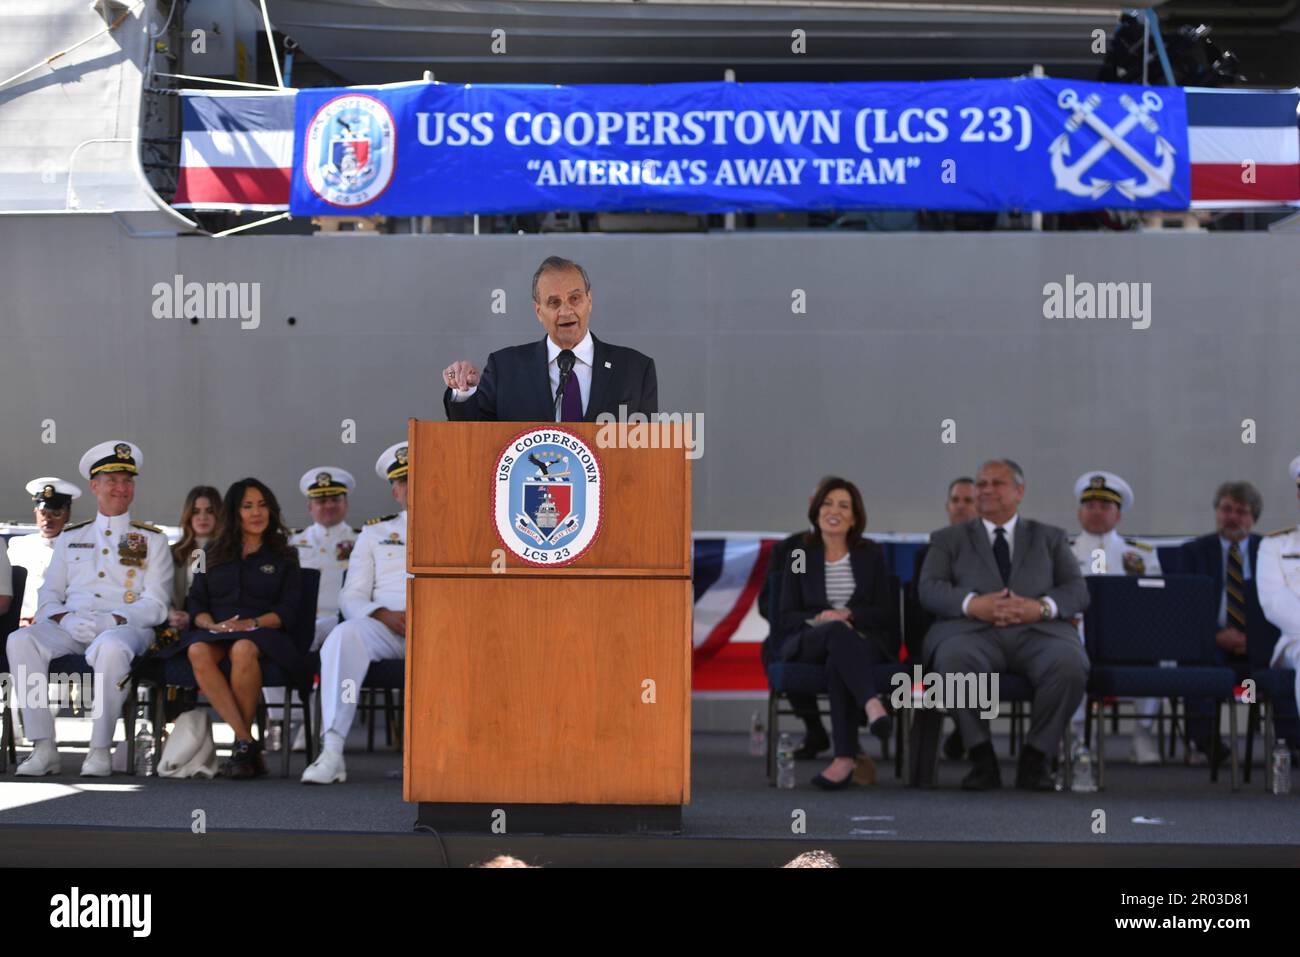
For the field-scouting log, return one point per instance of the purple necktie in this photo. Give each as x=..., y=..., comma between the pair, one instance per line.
x=571, y=404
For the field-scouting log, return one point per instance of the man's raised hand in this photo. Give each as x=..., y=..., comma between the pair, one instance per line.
x=460, y=375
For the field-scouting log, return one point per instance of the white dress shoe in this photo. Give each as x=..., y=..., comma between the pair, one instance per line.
x=40, y=762
x=326, y=769
x=1145, y=748
x=98, y=764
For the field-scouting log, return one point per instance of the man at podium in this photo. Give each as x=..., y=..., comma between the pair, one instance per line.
x=570, y=376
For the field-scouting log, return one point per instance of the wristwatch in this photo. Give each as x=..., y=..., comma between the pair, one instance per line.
x=1044, y=610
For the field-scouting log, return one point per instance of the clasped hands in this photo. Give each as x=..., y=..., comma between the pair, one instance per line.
x=235, y=624
x=1232, y=640
x=834, y=614
x=395, y=620
x=1005, y=607
x=84, y=626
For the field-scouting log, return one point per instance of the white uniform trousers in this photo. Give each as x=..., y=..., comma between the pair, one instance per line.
x=275, y=696
x=1287, y=655
x=344, y=660
x=110, y=654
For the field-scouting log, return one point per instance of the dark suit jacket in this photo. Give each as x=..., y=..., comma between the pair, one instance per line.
x=516, y=385
x=1204, y=556
x=960, y=561
x=769, y=598
x=803, y=596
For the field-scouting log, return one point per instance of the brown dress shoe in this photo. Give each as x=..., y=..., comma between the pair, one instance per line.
x=864, y=770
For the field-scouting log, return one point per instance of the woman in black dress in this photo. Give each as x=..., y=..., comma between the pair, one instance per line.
x=837, y=611
x=243, y=607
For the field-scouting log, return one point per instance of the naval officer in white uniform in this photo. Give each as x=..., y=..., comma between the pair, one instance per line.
x=373, y=601
x=1277, y=576
x=324, y=545
x=1101, y=550
x=107, y=586
x=327, y=543
x=52, y=500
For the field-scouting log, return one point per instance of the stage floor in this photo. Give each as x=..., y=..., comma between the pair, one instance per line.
x=1153, y=816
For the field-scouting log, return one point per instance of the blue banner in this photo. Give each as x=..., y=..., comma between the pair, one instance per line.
x=985, y=145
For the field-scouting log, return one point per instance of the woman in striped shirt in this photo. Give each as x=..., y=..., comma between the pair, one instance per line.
x=837, y=611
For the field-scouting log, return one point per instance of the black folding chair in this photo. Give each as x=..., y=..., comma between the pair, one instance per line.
x=9, y=624
x=1154, y=638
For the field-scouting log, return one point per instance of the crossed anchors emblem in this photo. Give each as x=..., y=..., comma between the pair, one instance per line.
x=1069, y=177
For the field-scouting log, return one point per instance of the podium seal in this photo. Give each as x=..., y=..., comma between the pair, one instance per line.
x=547, y=496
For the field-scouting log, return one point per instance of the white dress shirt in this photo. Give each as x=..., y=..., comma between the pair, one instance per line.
x=991, y=530
x=584, y=351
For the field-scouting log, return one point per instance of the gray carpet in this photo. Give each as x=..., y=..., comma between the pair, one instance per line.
x=730, y=799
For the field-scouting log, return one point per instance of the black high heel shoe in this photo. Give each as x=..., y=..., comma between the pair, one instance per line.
x=812, y=746
x=882, y=727
x=826, y=784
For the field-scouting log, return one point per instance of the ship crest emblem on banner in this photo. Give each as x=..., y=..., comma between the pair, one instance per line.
x=1153, y=174
x=350, y=148
x=547, y=496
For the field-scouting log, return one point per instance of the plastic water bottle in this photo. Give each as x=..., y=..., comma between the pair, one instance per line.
x=1082, y=778
x=784, y=762
x=1281, y=768
x=273, y=736
x=143, y=740
x=757, y=737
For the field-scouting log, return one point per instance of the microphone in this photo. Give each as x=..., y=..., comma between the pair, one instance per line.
x=565, y=361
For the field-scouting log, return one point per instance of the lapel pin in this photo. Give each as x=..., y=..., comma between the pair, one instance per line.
x=609, y=365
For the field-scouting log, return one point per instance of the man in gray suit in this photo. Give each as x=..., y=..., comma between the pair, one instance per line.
x=1004, y=589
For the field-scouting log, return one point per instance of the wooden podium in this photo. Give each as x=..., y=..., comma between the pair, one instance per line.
x=557, y=695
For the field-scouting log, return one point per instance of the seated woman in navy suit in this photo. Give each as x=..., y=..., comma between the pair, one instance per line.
x=836, y=611
x=243, y=607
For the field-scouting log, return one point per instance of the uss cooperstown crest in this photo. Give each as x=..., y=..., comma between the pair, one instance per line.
x=547, y=496
x=349, y=154
x=1157, y=172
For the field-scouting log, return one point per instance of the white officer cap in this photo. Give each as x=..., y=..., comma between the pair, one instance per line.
x=1294, y=468
x=1105, y=486
x=326, y=480
x=115, y=456
x=392, y=462
x=51, y=492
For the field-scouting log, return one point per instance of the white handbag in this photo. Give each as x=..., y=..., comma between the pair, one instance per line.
x=190, y=751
